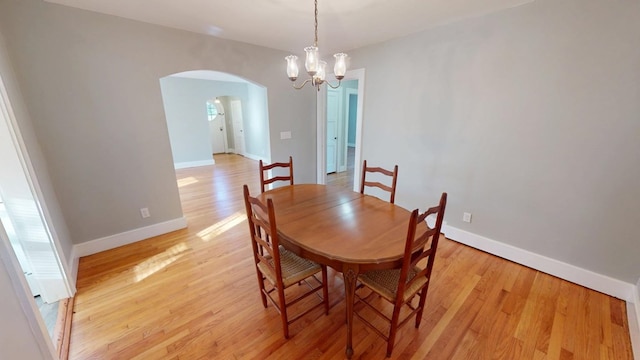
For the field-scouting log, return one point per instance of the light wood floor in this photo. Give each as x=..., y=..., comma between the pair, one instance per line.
x=345, y=178
x=193, y=294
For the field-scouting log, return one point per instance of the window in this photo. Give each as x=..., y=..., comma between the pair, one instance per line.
x=212, y=111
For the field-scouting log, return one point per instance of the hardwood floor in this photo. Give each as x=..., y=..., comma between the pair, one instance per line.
x=345, y=178
x=193, y=294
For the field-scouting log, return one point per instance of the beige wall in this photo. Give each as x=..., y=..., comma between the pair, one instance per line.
x=91, y=83
x=529, y=118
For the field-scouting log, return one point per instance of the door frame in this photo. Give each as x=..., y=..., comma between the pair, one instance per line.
x=348, y=92
x=66, y=286
x=321, y=129
x=8, y=257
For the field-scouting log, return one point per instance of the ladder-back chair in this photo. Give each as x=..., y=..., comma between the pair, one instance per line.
x=400, y=286
x=280, y=267
x=393, y=174
x=282, y=165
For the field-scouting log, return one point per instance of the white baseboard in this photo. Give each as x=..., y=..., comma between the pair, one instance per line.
x=572, y=273
x=75, y=260
x=189, y=164
x=256, y=157
x=125, y=238
x=633, y=314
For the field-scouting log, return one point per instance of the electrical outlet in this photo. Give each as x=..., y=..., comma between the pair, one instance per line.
x=466, y=217
x=144, y=212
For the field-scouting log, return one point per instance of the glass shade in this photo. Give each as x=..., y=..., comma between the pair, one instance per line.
x=292, y=67
x=340, y=67
x=322, y=65
x=312, y=62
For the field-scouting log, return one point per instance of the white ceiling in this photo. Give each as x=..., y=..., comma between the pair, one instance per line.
x=288, y=24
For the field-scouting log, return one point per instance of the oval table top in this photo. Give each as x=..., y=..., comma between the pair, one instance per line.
x=334, y=226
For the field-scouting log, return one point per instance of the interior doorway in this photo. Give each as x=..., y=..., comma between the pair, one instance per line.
x=341, y=133
x=226, y=126
x=27, y=237
x=238, y=126
x=217, y=127
x=339, y=128
x=334, y=103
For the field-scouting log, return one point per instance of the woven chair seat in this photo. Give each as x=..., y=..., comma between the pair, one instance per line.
x=294, y=268
x=385, y=283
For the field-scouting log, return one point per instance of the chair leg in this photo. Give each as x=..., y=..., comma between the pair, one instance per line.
x=283, y=312
x=261, y=285
x=394, y=328
x=423, y=297
x=325, y=290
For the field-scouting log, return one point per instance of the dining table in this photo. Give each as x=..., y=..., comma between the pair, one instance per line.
x=348, y=231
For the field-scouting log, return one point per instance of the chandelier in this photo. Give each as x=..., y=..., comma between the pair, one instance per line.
x=314, y=65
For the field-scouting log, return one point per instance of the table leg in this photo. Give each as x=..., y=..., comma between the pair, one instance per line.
x=350, y=277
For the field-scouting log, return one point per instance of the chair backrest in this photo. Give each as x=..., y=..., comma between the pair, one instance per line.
x=264, y=236
x=393, y=174
x=418, y=246
x=264, y=182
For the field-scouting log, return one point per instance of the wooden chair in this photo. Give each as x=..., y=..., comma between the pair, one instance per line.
x=401, y=286
x=263, y=168
x=393, y=174
x=279, y=266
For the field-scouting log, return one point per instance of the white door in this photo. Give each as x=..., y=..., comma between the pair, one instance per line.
x=6, y=222
x=218, y=136
x=332, y=129
x=238, y=126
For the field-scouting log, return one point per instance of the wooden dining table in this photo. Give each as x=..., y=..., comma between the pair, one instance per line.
x=345, y=230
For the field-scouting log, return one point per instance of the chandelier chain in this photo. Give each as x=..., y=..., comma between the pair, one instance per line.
x=315, y=42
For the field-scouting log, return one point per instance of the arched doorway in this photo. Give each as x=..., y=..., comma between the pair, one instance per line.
x=189, y=100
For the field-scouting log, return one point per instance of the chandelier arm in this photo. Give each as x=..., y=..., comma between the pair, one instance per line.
x=331, y=86
x=301, y=85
